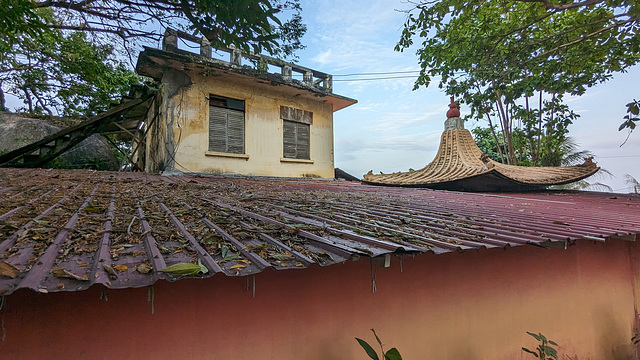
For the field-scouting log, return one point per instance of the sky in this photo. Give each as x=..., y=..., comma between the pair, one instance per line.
x=393, y=128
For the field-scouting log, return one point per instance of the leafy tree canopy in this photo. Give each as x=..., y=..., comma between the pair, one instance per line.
x=563, y=45
x=496, y=55
x=64, y=56
x=274, y=26
x=64, y=74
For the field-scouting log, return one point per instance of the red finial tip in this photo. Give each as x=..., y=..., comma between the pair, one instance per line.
x=453, y=110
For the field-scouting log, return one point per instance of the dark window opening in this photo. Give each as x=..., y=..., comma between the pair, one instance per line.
x=296, y=140
x=226, y=125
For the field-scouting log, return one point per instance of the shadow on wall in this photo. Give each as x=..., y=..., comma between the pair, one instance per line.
x=611, y=332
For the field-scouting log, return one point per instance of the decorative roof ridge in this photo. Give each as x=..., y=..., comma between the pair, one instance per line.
x=453, y=117
x=460, y=165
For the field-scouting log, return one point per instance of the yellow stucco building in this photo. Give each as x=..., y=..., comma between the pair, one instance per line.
x=223, y=117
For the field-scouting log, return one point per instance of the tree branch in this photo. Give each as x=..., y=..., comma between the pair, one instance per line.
x=616, y=24
x=550, y=6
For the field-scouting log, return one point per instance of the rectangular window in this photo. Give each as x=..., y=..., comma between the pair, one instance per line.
x=296, y=124
x=296, y=140
x=226, y=125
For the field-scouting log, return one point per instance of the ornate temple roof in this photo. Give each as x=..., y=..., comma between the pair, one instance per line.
x=460, y=165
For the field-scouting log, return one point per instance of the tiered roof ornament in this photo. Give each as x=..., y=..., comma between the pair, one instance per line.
x=461, y=166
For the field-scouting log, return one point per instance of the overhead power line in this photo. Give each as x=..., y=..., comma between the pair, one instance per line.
x=618, y=156
x=379, y=73
x=378, y=78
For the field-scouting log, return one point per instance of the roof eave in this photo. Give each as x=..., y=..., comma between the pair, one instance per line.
x=154, y=62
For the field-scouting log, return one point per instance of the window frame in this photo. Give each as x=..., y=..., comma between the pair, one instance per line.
x=296, y=133
x=227, y=125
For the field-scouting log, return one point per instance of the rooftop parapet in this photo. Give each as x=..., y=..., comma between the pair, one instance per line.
x=313, y=78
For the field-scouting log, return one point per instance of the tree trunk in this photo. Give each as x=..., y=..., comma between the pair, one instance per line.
x=506, y=131
x=2, y=101
x=495, y=137
x=537, y=162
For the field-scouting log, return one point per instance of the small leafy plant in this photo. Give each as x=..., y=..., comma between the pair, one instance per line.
x=631, y=119
x=392, y=354
x=545, y=350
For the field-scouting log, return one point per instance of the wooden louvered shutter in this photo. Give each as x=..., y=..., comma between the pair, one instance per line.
x=226, y=130
x=302, y=131
x=296, y=132
x=217, y=129
x=289, y=136
x=235, y=131
x=296, y=140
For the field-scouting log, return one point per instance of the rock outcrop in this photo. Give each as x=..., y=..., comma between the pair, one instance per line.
x=93, y=153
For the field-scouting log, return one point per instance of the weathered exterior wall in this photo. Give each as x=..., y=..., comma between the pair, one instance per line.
x=185, y=119
x=472, y=305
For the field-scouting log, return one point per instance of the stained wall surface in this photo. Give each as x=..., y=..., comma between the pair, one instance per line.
x=471, y=305
x=183, y=129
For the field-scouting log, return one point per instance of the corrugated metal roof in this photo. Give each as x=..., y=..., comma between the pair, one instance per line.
x=65, y=230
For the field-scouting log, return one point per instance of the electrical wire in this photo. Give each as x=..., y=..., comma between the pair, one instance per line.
x=379, y=73
x=619, y=156
x=379, y=78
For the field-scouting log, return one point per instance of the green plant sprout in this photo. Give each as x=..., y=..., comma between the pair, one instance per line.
x=545, y=350
x=392, y=354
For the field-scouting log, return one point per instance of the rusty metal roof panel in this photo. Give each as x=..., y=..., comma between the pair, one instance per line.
x=66, y=230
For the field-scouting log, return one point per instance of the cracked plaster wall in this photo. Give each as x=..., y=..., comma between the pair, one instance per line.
x=180, y=140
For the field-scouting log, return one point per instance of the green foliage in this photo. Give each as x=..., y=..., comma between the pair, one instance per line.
x=251, y=25
x=392, y=354
x=120, y=149
x=64, y=57
x=63, y=73
x=538, y=138
x=274, y=26
x=496, y=55
x=635, y=184
x=537, y=47
x=545, y=350
x=19, y=18
x=632, y=118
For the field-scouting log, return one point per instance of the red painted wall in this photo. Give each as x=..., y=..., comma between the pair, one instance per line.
x=471, y=305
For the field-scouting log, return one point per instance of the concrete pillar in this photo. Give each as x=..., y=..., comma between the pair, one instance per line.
x=170, y=40
x=286, y=72
x=205, y=47
x=308, y=78
x=328, y=83
x=236, y=57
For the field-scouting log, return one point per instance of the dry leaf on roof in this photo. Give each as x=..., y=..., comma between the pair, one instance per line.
x=281, y=257
x=62, y=273
x=144, y=268
x=185, y=269
x=8, y=270
x=237, y=266
x=120, y=267
x=112, y=273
